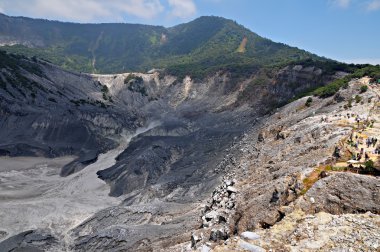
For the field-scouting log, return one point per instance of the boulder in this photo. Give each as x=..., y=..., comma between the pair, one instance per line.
x=343, y=193
x=231, y=189
x=249, y=235
x=211, y=215
x=228, y=183
x=219, y=234
x=194, y=240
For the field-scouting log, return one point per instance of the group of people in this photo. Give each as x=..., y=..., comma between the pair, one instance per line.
x=377, y=150
x=370, y=141
x=356, y=142
x=360, y=154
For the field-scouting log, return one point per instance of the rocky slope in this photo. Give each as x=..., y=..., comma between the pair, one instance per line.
x=308, y=202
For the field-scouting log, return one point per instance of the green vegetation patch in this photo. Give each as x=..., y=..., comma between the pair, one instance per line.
x=333, y=87
x=363, y=89
x=136, y=84
x=16, y=67
x=89, y=102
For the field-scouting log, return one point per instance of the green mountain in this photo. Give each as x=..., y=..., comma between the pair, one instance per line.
x=199, y=47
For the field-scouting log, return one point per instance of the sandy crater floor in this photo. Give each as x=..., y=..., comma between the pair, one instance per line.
x=33, y=195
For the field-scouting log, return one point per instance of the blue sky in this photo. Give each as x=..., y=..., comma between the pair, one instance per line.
x=346, y=30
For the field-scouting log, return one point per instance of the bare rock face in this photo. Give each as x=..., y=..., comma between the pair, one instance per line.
x=321, y=232
x=343, y=193
x=31, y=240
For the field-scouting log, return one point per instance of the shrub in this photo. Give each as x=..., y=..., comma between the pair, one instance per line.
x=358, y=98
x=308, y=102
x=363, y=89
x=128, y=79
x=369, y=166
x=133, y=78
x=349, y=104
x=105, y=89
x=331, y=88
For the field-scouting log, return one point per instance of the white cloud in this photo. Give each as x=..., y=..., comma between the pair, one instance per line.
x=374, y=5
x=341, y=3
x=182, y=8
x=83, y=10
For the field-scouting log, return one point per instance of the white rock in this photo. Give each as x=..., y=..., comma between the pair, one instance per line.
x=233, y=196
x=205, y=248
x=212, y=215
x=250, y=247
x=250, y=235
x=231, y=189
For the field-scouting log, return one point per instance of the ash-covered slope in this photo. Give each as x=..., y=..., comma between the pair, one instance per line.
x=49, y=112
